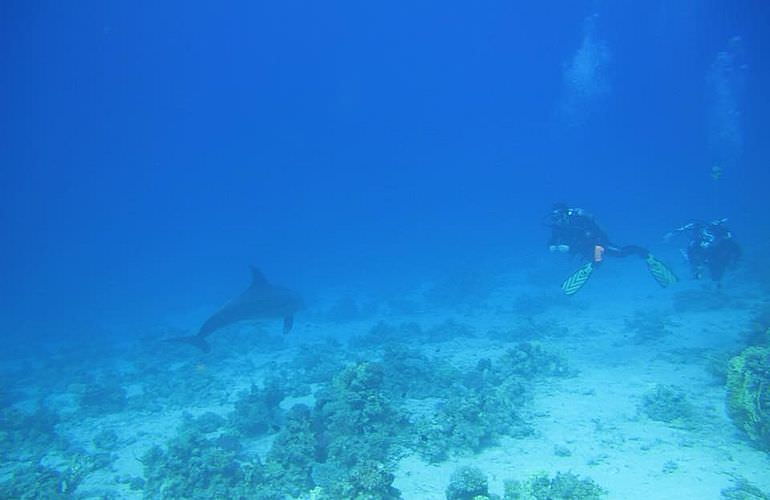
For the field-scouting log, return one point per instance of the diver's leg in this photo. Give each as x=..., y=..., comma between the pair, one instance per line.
x=662, y=274
x=627, y=250
x=717, y=271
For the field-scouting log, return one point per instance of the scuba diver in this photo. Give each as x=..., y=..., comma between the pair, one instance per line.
x=711, y=246
x=575, y=231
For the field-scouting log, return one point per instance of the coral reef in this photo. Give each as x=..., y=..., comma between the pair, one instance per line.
x=208, y=422
x=356, y=418
x=37, y=481
x=408, y=373
x=748, y=394
x=339, y=449
x=291, y=458
x=357, y=433
x=316, y=363
x=565, y=486
x=667, y=404
x=29, y=435
x=191, y=383
x=486, y=405
x=368, y=480
x=195, y=467
x=467, y=483
x=258, y=412
x=472, y=419
x=531, y=360
x=743, y=490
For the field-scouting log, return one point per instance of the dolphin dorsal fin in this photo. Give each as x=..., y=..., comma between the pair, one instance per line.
x=257, y=278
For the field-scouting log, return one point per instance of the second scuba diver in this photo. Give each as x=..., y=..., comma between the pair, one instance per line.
x=711, y=247
x=575, y=231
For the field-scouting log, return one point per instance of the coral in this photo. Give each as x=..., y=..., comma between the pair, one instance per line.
x=748, y=394
x=38, y=482
x=28, y=435
x=478, y=418
x=486, y=405
x=316, y=363
x=667, y=404
x=467, y=483
x=356, y=418
x=357, y=433
x=195, y=467
x=258, y=412
x=290, y=460
x=80, y=464
x=190, y=384
x=411, y=374
x=372, y=480
x=743, y=490
x=209, y=422
x=566, y=486
x=340, y=449
x=369, y=480
x=529, y=360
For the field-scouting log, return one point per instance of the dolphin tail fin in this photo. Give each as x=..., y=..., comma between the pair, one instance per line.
x=288, y=322
x=195, y=340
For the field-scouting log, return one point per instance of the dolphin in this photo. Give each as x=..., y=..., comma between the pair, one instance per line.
x=260, y=300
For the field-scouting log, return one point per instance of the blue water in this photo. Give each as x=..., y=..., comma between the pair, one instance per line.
x=150, y=152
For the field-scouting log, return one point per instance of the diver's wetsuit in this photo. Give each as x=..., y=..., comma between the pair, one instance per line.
x=577, y=230
x=711, y=247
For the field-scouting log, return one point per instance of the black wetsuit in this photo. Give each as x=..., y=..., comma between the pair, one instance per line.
x=711, y=247
x=580, y=232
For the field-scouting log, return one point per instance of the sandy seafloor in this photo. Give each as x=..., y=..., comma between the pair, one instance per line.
x=592, y=418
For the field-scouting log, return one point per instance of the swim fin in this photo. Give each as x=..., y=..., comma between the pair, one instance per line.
x=575, y=282
x=662, y=274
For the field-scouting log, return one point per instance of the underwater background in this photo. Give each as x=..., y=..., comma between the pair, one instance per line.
x=393, y=165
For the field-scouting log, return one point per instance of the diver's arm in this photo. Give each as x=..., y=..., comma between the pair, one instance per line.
x=687, y=227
